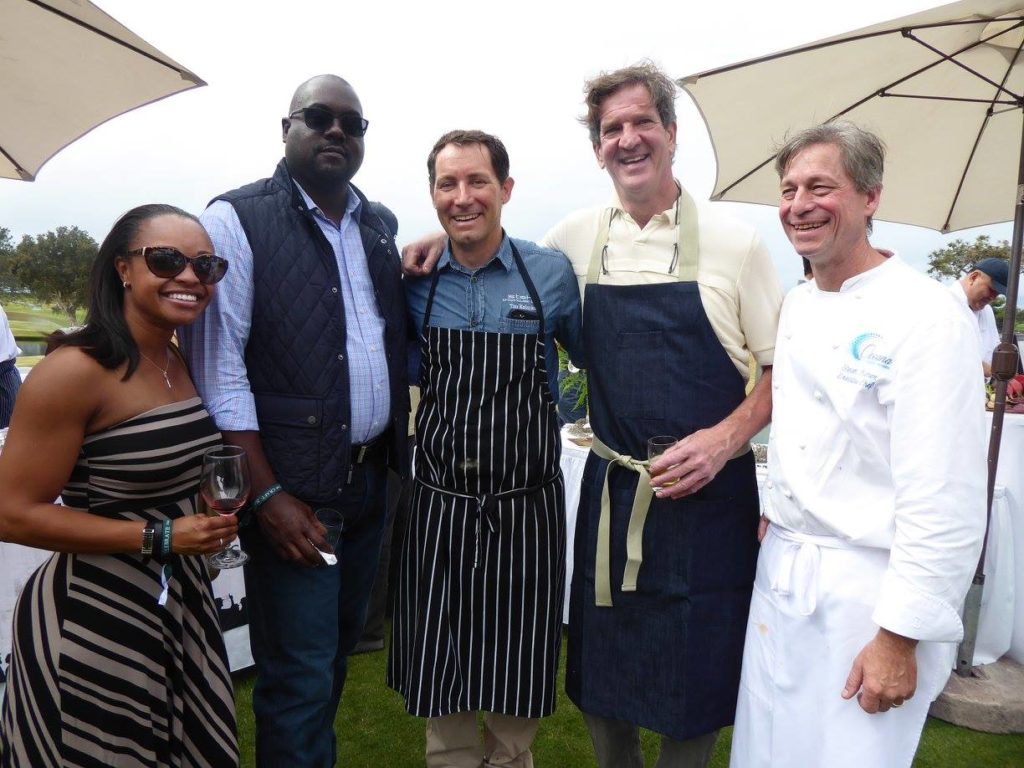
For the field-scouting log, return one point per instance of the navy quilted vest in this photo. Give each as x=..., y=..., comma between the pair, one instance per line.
x=296, y=357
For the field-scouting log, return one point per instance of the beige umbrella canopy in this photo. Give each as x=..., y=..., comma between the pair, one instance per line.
x=66, y=67
x=943, y=88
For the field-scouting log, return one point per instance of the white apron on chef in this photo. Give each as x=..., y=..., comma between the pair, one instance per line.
x=810, y=616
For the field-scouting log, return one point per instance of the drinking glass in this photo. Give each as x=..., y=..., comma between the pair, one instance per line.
x=225, y=489
x=656, y=446
x=332, y=520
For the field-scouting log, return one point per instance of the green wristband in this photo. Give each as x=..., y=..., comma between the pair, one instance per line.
x=266, y=496
x=165, y=548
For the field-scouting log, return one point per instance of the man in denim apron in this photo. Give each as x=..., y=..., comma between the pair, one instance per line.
x=677, y=301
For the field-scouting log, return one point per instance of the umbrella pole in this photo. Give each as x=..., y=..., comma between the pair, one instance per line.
x=1004, y=367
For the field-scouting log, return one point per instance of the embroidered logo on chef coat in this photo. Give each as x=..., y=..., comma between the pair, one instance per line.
x=868, y=359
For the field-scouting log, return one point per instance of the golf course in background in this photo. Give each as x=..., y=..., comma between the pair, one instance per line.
x=31, y=323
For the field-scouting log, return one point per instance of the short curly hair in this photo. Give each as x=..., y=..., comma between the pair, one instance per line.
x=646, y=73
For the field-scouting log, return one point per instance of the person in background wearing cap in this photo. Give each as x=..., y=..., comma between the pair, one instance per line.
x=10, y=379
x=978, y=289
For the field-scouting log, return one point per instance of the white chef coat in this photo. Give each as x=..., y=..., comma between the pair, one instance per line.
x=876, y=493
x=877, y=437
x=985, y=320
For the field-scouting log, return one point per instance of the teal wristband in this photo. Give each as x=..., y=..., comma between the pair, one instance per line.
x=165, y=546
x=266, y=496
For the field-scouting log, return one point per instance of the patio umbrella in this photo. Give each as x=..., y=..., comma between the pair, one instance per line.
x=945, y=89
x=66, y=67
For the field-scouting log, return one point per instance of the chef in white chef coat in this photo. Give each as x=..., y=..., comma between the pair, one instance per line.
x=875, y=497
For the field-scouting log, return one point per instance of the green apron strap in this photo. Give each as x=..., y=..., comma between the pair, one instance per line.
x=634, y=533
x=594, y=270
x=687, y=243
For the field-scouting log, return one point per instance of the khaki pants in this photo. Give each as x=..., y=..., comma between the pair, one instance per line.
x=453, y=741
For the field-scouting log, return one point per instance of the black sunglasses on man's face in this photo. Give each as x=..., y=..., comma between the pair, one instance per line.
x=320, y=119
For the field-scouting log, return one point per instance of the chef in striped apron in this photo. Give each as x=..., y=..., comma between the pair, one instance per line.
x=477, y=621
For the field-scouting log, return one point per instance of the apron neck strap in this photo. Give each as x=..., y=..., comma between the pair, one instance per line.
x=686, y=252
x=522, y=272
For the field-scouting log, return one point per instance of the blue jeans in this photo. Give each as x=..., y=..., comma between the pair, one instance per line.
x=303, y=623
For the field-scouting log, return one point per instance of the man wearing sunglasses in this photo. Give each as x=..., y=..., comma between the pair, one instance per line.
x=301, y=361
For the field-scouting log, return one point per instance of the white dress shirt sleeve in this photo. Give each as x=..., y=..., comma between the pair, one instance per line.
x=215, y=344
x=989, y=333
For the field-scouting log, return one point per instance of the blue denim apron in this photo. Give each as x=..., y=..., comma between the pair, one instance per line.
x=667, y=655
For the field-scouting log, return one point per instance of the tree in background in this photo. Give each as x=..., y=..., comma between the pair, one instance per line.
x=6, y=260
x=54, y=267
x=956, y=259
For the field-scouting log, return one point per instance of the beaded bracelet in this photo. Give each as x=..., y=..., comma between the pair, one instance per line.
x=266, y=496
x=165, y=548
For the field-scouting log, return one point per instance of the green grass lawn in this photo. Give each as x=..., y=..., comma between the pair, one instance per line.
x=29, y=320
x=374, y=731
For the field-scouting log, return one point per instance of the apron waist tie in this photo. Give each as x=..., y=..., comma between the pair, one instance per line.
x=797, y=576
x=487, y=505
x=634, y=532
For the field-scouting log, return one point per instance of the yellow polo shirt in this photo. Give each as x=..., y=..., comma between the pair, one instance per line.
x=738, y=284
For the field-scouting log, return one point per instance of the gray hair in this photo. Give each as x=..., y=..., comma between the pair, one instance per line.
x=646, y=73
x=862, y=153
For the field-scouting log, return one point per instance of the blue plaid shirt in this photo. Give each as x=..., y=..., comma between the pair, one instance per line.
x=215, y=344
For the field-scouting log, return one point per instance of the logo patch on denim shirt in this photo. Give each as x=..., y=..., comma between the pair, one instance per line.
x=520, y=304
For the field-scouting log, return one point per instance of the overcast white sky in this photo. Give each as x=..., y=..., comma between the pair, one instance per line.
x=513, y=69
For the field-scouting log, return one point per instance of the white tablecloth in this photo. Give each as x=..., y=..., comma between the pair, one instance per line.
x=17, y=563
x=574, y=459
x=1003, y=602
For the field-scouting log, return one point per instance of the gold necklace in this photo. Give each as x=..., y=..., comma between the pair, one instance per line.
x=167, y=379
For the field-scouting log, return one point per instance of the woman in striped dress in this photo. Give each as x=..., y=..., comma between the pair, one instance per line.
x=117, y=657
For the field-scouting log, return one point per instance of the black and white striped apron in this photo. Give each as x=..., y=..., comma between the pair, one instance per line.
x=477, y=622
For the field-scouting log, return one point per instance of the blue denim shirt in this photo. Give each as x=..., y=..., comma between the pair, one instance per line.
x=482, y=300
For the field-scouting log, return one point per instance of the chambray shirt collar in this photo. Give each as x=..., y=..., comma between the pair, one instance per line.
x=352, y=207
x=503, y=257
